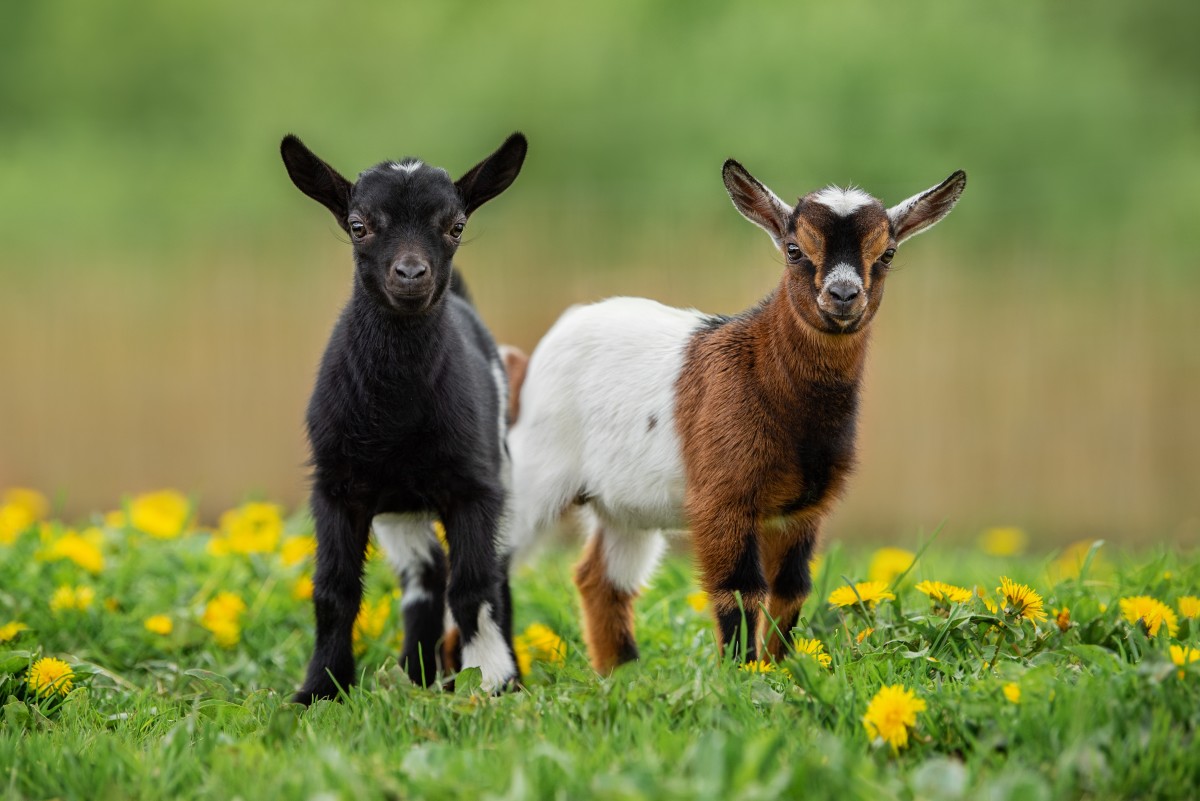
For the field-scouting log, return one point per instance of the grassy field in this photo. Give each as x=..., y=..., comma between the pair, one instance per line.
x=181, y=645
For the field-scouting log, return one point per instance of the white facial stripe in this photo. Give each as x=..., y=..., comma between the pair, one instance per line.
x=407, y=166
x=843, y=202
x=842, y=272
x=488, y=652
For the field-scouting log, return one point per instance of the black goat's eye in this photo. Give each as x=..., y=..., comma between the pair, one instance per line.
x=457, y=230
x=886, y=258
x=793, y=251
x=357, y=229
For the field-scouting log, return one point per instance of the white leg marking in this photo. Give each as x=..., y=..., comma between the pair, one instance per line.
x=631, y=557
x=406, y=540
x=488, y=652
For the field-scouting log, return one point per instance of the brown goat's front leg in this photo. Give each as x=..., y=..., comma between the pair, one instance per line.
x=727, y=548
x=786, y=553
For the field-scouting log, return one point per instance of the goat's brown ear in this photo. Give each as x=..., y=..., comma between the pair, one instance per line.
x=922, y=211
x=315, y=178
x=494, y=174
x=757, y=204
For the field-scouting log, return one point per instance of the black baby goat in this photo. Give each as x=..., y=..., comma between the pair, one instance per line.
x=407, y=421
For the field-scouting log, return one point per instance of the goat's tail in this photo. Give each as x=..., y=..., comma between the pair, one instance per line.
x=515, y=365
x=458, y=285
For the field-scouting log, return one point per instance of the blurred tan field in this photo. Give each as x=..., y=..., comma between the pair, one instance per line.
x=994, y=396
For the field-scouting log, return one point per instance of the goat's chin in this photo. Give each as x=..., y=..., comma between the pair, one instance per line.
x=409, y=303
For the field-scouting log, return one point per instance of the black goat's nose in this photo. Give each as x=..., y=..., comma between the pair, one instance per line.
x=410, y=270
x=843, y=291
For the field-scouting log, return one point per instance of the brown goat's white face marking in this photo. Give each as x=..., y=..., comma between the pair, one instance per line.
x=843, y=202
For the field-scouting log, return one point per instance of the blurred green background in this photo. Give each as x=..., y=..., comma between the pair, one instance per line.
x=165, y=292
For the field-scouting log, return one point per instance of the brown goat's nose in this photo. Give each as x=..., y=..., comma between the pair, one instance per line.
x=409, y=269
x=843, y=291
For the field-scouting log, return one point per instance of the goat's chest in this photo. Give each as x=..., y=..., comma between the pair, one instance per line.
x=813, y=452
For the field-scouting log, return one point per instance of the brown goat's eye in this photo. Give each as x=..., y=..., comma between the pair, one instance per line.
x=793, y=251
x=357, y=229
x=457, y=230
x=886, y=258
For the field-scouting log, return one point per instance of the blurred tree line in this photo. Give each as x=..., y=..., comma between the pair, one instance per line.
x=133, y=126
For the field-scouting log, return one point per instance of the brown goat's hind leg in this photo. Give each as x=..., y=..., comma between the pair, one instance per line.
x=786, y=557
x=613, y=568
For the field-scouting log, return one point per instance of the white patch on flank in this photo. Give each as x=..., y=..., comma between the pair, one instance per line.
x=842, y=272
x=488, y=651
x=843, y=202
x=406, y=541
x=598, y=418
x=408, y=166
x=630, y=557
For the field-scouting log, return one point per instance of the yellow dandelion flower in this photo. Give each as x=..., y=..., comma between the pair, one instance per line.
x=370, y=622
x=760, y=666
x=251, y=528
x=14, y=521
x=10, y=630
x=888, y=563
x=164, y=514
x=1069, y=564
x=941, y=591
x=864, y=634
x=439, y=531
x=1183, y=656
x=816, y=565
x=524, y=657
x=1150, y=612
x=50, y=676
x=1012, y=691
x=1021, y=601
x=1062, y=619
x=82, y=549
x=32, y=502
x=116, y=519
x=66, y=598
x=222, y=617
x=815, y=649
x=865, y=592
x=297, y=549
x=543, y=644
x=698, y=600
x=891, y=713
x=1189, y=606
x=302, y=590
x=159, y=624
x=1003, y=541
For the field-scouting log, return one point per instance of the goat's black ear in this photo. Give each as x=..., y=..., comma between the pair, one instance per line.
x=494, y=174
x=922, y=211
x=757, y=204
x=315, y=178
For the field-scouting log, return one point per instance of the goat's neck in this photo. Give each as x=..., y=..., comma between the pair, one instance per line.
x=392, y=345
x=792, y=355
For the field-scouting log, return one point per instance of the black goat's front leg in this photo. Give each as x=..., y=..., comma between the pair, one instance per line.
x=476, y=589
x=337, y=594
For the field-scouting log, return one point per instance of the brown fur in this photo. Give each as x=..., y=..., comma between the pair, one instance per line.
x=516, y=362
x=607, y=611
x=766, y=407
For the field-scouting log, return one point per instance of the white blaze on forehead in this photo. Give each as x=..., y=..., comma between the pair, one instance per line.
x=843, y=202
x=408, y=166
x=842, y=272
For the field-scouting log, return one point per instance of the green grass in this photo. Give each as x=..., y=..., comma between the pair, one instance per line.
x=1103, y=712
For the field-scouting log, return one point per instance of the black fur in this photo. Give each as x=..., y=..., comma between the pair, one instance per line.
x=405, y=414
